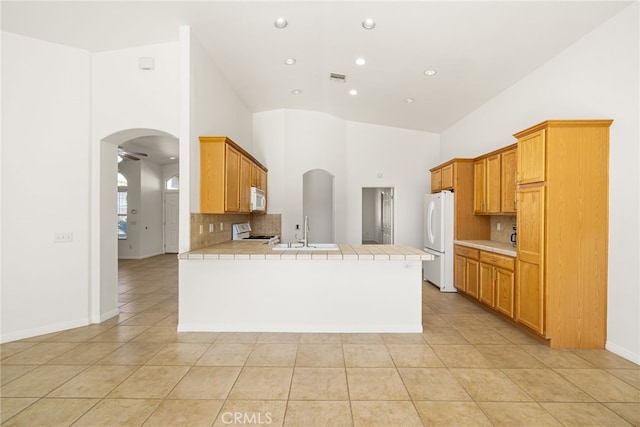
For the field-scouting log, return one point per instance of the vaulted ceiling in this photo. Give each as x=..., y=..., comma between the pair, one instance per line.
x=477, y=48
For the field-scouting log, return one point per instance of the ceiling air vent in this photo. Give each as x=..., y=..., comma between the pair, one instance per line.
x=337, y=78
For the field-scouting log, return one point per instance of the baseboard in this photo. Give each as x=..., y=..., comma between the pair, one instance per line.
x=108, y=315
x=623, y=352
x=48, y=329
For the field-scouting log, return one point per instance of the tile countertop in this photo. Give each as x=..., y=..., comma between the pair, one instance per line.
x=489, y=246
x=260, y=250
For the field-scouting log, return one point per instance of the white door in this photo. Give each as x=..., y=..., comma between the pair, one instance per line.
x=433, y=222
x=387, y=217
x=171, y=222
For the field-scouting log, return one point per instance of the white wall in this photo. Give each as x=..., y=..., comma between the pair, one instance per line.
x=295, y=141
x=126, y=102
x=45, y=186
x=215, y=110
x=597, y=77
x=381, y=156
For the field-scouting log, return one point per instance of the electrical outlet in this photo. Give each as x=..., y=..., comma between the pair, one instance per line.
x=201, y=229
x=498, y=226
x=221, y=226
x=63, y=237
x=211, y=228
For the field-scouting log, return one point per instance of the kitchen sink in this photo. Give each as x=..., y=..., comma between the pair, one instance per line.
x=311, y=247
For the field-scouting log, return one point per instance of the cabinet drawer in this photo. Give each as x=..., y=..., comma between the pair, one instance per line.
x=501, y=261
x=467, y=252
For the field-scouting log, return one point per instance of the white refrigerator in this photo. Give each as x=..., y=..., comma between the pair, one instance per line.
x=438, y=240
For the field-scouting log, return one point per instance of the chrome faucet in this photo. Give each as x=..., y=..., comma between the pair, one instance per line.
x=305, y=233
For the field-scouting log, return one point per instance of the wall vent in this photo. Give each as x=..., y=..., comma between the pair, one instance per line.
x=337, y=78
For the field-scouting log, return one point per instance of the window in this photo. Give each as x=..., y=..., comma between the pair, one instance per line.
x=173, y=183
x=122, y=207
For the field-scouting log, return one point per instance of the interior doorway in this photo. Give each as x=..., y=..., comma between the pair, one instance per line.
x=377, y=216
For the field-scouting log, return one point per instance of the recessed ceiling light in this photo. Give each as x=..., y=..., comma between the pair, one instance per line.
x=280, y=23
x=361, y=61
x=290, y=61
x=430, y=72
x=172, y=158
x=409, y=100
x=368, y=24
x=353, y=92
x=296, y=91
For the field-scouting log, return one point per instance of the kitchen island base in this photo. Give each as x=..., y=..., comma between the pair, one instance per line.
x=298, y=295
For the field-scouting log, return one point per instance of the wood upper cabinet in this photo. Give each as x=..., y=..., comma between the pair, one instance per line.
x=443, y=177
x=436, y=180
x=232, y=180
x=226, y=176
x=532, y=157
x=486, y=185
x=245, y=184
x=479, y=185
x=447, y=177
x=508, y=181
x=562, y=216
x=258, y=178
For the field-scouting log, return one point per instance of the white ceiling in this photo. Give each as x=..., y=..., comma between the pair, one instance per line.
x=479, y=48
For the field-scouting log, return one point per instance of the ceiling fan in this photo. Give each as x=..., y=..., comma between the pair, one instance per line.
x=133, y=155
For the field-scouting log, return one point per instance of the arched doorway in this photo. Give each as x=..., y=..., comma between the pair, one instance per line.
x=104, y=248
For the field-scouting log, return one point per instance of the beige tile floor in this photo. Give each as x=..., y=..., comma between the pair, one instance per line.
x=467, y=368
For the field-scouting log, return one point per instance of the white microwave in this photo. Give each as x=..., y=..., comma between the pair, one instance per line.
x=258, y=201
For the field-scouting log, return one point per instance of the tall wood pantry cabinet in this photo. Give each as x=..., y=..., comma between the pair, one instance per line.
x=562, y=216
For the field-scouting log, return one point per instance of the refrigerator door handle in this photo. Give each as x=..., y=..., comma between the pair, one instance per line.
x=430, y=224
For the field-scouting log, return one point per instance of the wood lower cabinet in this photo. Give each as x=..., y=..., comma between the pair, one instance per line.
x=226, y=176
x=487, y=277
x=561, y=267
x=466, y=270
x=497, y=282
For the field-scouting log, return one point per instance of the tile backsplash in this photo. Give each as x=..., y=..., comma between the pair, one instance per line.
x=506, y=225
x=260, y=224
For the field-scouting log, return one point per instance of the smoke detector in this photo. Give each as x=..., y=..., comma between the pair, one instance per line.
x=337, y=78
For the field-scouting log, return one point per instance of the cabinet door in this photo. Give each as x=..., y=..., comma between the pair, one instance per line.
x=232, y=180
x=459, y=273
x=492, y=182
x=487, y=284
x=436, y=180
x=472, y=280
x=530, y=304
x=262, y=180
x=504, y=283
x=479, y=186
x=531, y=158
x=245, y=184
x=254, y=175
x=508, y=181
x=447, y=177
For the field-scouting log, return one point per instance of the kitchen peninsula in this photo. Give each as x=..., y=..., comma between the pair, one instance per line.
x=249, y=287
